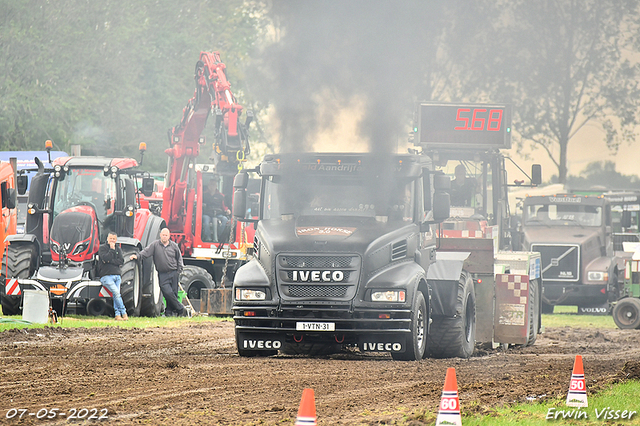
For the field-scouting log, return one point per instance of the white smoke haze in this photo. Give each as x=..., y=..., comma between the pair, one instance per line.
x=343, y=74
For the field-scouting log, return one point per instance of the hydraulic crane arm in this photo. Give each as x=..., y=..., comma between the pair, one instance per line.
x=212, y=95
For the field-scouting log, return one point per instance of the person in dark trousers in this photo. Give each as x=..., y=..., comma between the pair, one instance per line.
x=111, y=260
x=168, y=261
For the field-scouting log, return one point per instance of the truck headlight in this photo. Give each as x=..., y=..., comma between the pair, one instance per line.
x=597, y=276
x=248, y=294
x=388, y=296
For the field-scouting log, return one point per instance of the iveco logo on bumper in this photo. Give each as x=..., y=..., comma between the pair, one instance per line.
x=261, y=344
x=318, y=276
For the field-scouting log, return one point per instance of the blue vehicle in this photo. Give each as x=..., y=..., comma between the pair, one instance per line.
x=26, y=159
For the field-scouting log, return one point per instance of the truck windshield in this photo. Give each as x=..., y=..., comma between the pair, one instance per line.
x=326, y=196
x=86, y=186
x=562, y=215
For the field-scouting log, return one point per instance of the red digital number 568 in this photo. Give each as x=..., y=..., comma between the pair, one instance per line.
x=477, y=119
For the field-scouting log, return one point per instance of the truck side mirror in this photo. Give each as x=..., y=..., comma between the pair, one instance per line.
x=441, y=198
x=441, y=182
x=22, y=181
x=241, y=180
x=239, y=203
x=12, y=198
x=441, y=206
x=148, y=185
x=536, y=174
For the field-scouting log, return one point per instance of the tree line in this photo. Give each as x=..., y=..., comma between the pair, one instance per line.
x=108, y=75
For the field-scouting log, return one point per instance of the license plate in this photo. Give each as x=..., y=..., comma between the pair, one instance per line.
x=315, y=326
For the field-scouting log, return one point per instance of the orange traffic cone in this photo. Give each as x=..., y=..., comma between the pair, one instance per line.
x=449, y=412
x=577, y=396
x=307, y=410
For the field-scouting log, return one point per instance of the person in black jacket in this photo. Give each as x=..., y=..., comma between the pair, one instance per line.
x=111, y=260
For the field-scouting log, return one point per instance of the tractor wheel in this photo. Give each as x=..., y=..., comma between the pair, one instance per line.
x=193, y=279
x=131, y=286
x=152, y=305
x=626, y=313
x=534, y=313
x=248, y=353
x=455, y=336
x=416, y=344
x=18, y=261
x=96, y=307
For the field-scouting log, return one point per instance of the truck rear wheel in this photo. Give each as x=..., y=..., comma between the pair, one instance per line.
x=131, y=286
x=455, y=336
x=626, y=313
x=417, y=343
x=17, y=262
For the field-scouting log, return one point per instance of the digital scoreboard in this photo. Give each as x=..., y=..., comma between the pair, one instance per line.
x=463, y=126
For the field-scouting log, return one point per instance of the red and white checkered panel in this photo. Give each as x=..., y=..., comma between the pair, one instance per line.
x=512, y=306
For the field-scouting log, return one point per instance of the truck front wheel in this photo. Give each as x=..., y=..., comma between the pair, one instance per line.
x=455, y=336
x=417, y=343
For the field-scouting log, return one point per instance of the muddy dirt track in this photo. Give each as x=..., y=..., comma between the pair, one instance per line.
x=192, y=375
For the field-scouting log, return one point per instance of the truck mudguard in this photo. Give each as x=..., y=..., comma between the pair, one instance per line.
x=251, y=274
x=443, y=276
x=404, y=275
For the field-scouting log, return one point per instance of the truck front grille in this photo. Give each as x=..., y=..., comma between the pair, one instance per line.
x=317, y=290
x=316, y=261
x=317, y=277
x=559, y=262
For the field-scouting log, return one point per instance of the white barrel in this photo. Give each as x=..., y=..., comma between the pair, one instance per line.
x=35, y=307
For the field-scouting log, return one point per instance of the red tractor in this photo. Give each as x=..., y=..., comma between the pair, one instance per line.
x=209, y=248
x=71, y=209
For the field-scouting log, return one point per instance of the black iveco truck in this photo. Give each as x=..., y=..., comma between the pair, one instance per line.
x=342, y=249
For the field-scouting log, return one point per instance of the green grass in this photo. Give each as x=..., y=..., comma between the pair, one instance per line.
x=74, y=321
x=567, y=316
x=621, y=397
